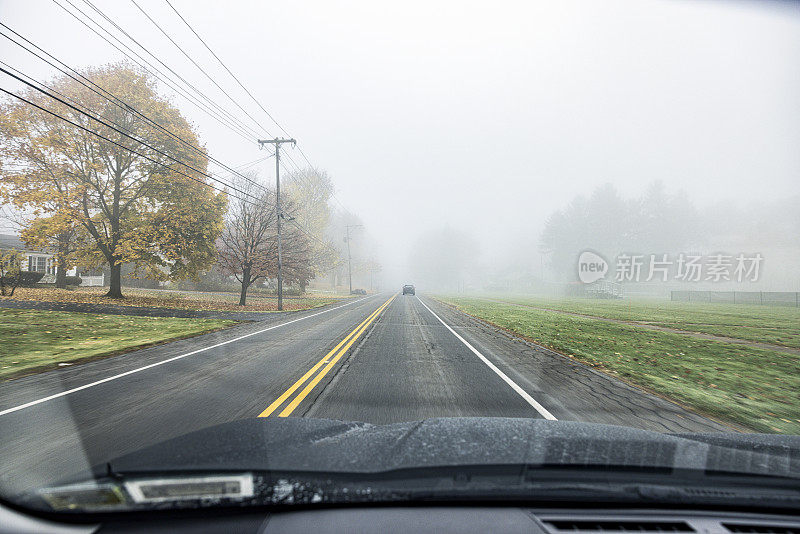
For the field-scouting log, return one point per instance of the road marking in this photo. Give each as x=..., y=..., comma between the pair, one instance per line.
x=522, y=393
x=271, y=408
x=340, y=349
x=302, y=395
x=110, y=378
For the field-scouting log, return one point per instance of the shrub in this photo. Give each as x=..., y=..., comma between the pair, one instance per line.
x=29, y=278
x=73, y=280
x=20, y=279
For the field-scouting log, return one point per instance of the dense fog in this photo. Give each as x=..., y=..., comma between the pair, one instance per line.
x=473, y=146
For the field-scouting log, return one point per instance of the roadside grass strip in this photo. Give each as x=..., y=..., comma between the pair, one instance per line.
x=35, y=341
x=747, y=386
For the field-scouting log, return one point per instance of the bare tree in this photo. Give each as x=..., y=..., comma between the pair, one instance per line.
x=299, y=254
x=248, y=245
x=244, y=247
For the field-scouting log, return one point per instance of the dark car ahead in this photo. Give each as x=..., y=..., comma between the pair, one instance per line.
x=408, y=289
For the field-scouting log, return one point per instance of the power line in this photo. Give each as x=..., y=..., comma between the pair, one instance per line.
x=104, y=123
x=110, y=141
x=300, y=149
x=128, y=107
x=158, y=73
x=251, y=163
x=309, y=234
x=198, y=66
x=159, y=60
x=113, y=142
x=226, y=68
x=238, y=123
x=239, y=126
x=238, y=130
x=116, y=143
x=298, y=172
x=291, y=160
x=247, y=166
x=313, y=169
x=75, y=105
x=291, y=219
x=182, y=51
x=111, y=98
x=33, y=80
x=121, y=146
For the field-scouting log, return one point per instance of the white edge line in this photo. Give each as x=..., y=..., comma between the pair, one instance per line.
x=132, y=371
x=522, y=393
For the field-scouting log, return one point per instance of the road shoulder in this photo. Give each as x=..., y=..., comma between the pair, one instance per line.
x=571, y=389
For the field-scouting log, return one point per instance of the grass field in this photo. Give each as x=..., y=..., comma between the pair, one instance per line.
x=34, y=340
x=751, y=387
x=767, y=324
x=187, y=300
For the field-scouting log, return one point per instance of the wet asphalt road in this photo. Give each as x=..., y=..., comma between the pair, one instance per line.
x=380, y=359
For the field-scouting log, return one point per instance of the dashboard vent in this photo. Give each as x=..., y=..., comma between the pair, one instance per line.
x=623, y=526
x=760, y=529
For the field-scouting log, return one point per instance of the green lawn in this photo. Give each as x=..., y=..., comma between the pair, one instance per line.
x=755, y=388
x=34, y=340
x=779, y=325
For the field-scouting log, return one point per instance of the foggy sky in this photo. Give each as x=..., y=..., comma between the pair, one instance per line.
x=484, y=116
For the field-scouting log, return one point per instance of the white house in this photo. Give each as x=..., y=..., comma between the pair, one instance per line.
x=32, y=260
x=42, y=261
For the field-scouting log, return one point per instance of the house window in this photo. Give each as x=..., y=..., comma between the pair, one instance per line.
x=37, y=264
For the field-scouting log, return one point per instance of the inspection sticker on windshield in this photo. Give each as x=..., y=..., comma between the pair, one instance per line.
x=180, y=488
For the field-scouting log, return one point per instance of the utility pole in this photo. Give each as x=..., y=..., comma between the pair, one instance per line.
x=349, y=259
x=279, y=214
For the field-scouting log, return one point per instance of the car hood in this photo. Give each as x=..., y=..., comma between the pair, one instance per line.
x=303, y=444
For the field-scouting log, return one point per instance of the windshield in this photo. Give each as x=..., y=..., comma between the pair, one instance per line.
x=387, y=241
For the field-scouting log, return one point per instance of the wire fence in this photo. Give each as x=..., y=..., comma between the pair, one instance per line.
x=765, y=298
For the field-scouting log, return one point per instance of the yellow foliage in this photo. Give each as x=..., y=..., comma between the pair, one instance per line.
x=116, y=205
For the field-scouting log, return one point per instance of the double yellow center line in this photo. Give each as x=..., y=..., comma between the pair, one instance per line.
x=331, y=358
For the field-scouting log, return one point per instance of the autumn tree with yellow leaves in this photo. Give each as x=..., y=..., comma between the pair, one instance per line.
x=310, y=191
x=122, y=199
